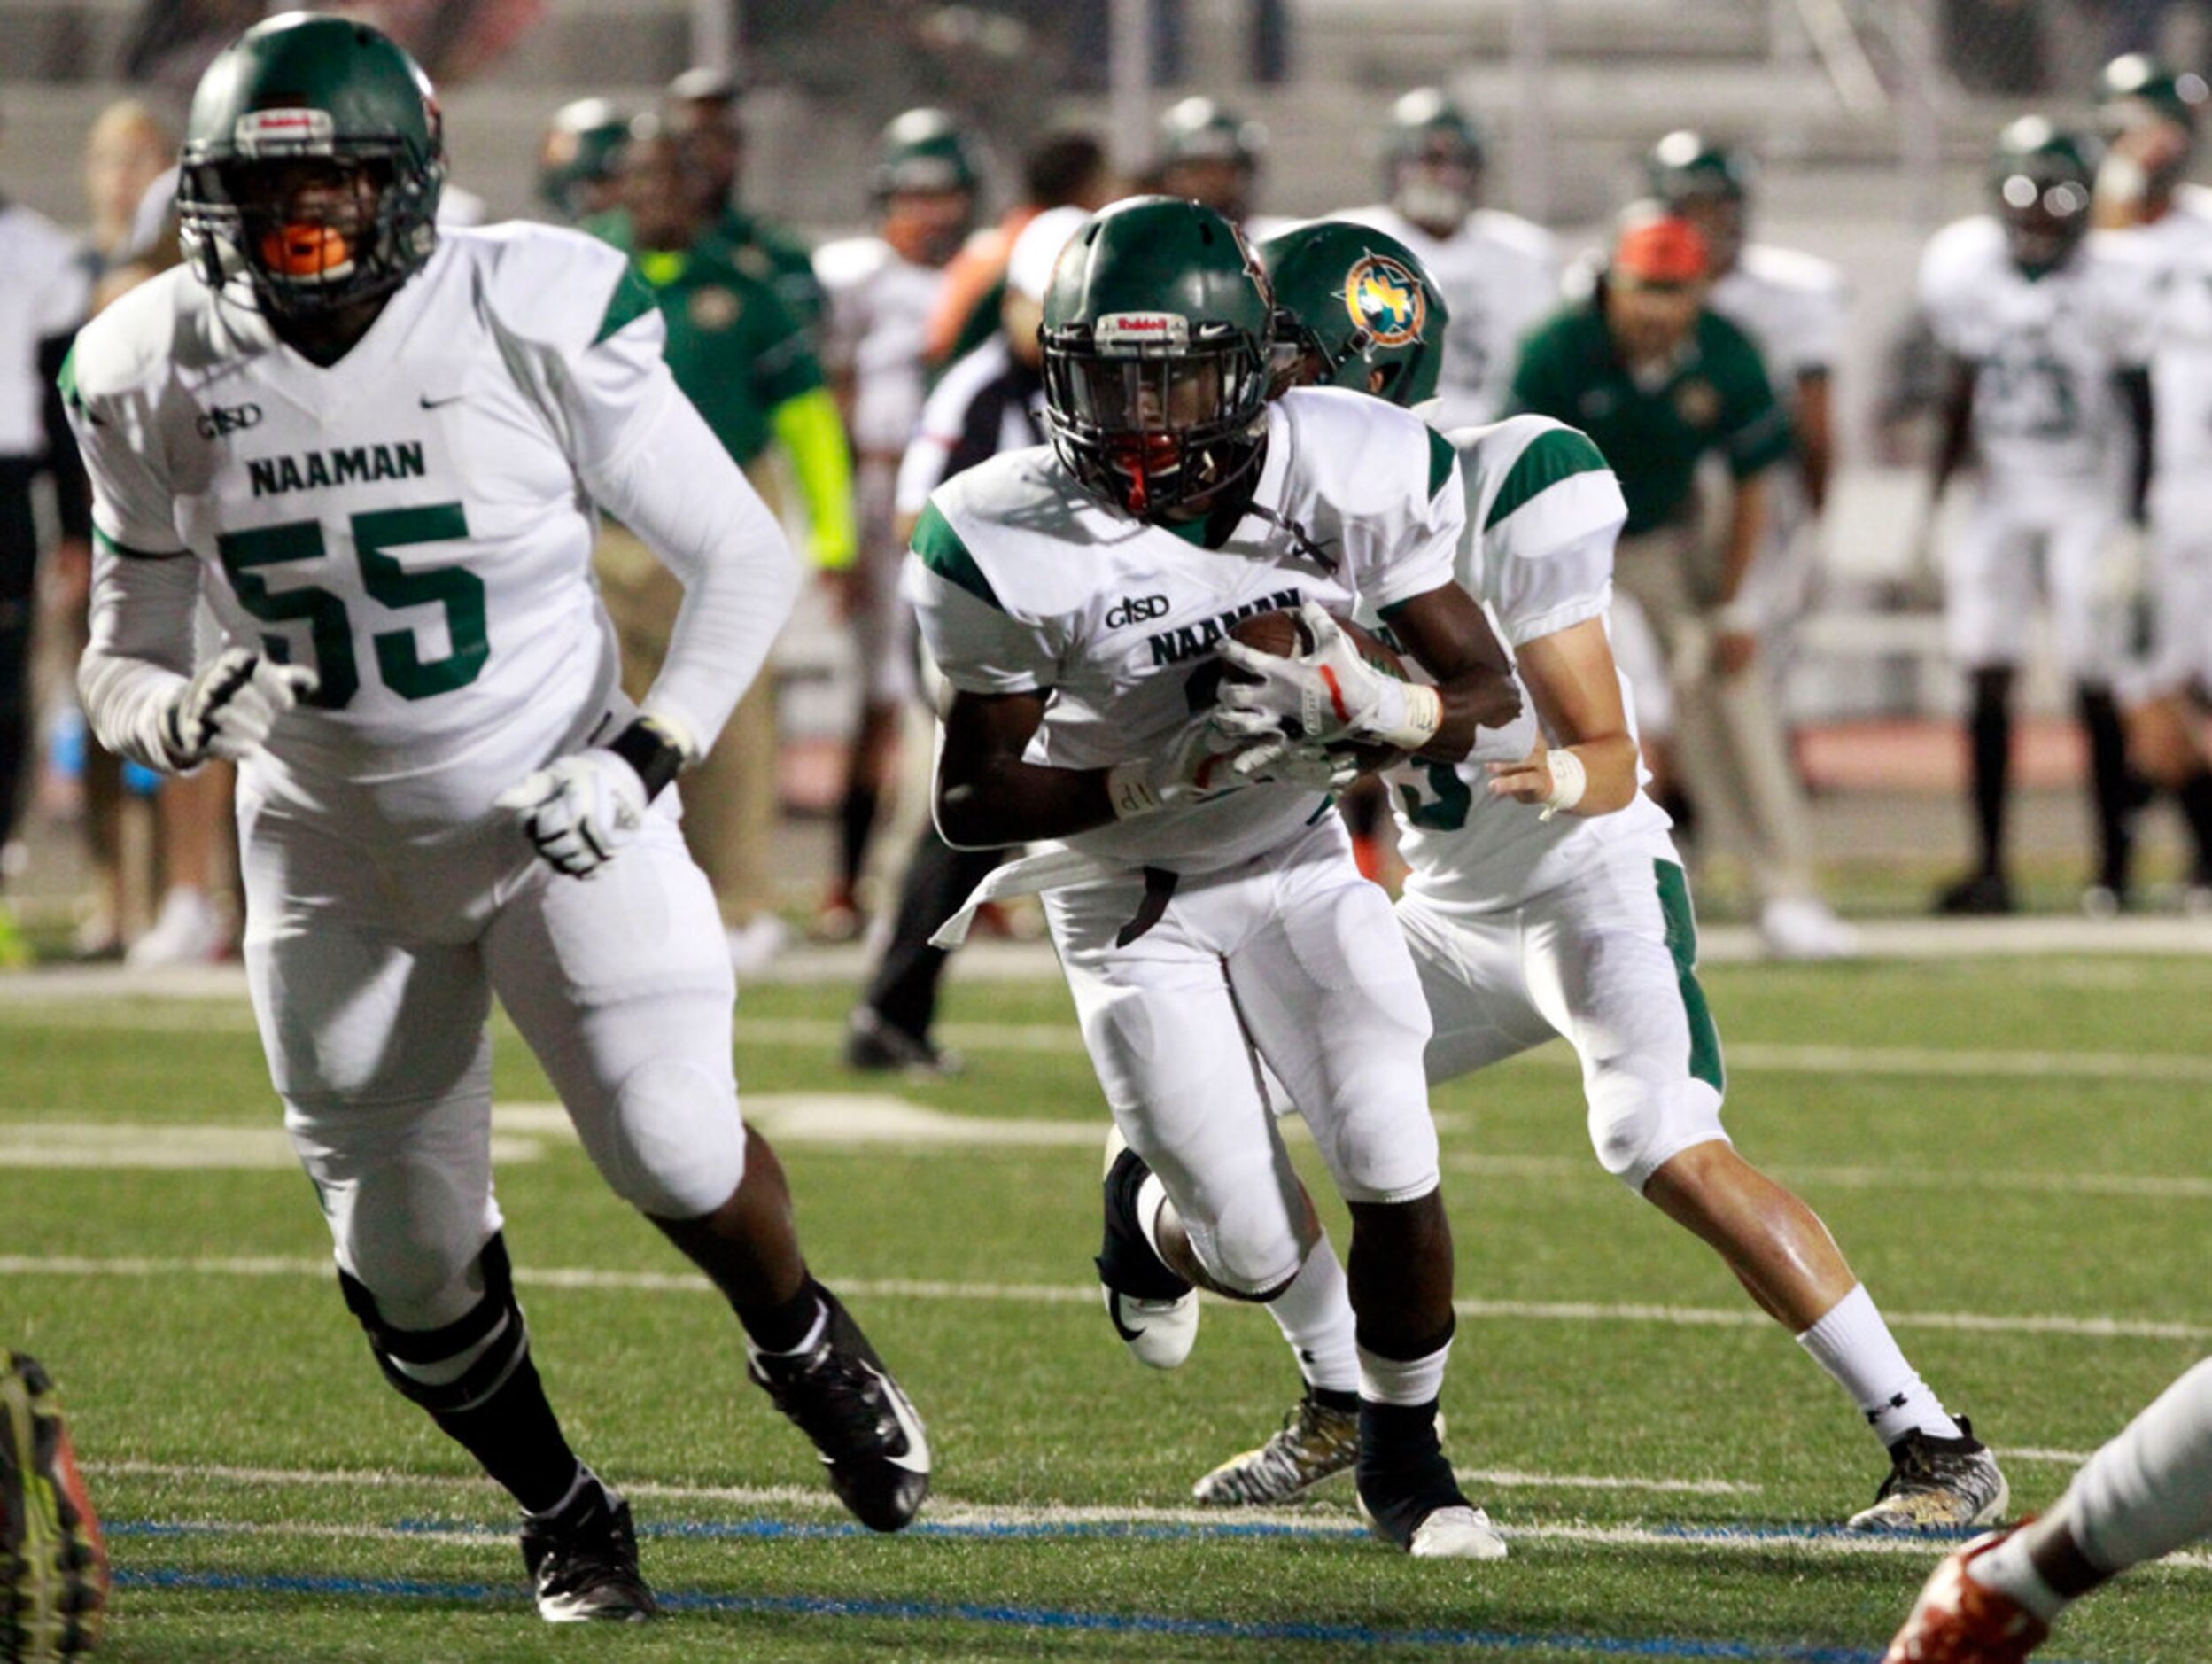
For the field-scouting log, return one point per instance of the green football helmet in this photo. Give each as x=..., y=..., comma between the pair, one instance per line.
x=1433, y=159
x=305, y=94
x=924, y=150
x=1158, y=335
x=1209, y=154
x=1707, y=182
x=2042, y=180
x=2136, y=91
x=582, y=149
x=1352, y=301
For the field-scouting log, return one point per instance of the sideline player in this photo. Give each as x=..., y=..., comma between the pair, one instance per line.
x=1546, y=900
x=1497, y=274
x=2139, y=1498
x=2038, y=325
x=1072, y=595
x=363, y=439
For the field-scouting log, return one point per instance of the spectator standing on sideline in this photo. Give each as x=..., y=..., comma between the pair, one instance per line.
x=47, y=290
x=1660, y=382
x=743, y=360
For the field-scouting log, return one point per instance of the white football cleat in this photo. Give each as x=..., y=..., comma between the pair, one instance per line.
x=1806, y=927
x=1153, y=1310
x=1457, y=1534
x=188, y=931
x=1158, y=1332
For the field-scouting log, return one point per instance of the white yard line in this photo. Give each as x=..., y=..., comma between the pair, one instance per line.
x=2140, y=1185
x=2103, y=1328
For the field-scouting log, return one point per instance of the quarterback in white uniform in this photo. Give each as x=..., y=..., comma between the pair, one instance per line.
x=2038, y=322
x=1498, y=274
x=1210, y=920
x=373, y=447
x=1546, y=900
x=883, y=291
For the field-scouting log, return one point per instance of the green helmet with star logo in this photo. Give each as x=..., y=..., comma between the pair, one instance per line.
x=1158, y=332
x=1360, y=307
x=323, y=99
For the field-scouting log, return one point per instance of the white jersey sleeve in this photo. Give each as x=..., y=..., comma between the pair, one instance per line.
x=1956, y=270
x=1543, y=513
x=1386, y=486
x=985, y=637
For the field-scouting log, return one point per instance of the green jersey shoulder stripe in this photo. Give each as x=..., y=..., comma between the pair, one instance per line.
x=1554, y=454
x=1441, y=456
x=630, y=301
x=67, y=379
x=944, y=554
x=123, y=551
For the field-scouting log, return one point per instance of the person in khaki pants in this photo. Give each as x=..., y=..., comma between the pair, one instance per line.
x=1660, y=383
x=741, y=357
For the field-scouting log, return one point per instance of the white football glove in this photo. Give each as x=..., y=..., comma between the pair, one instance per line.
x=579, y=810
x=230, y=705
x=1192, y=765
x=1326, y=693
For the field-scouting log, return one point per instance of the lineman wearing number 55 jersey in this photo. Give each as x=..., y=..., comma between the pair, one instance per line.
x=1546, y=898
x=373, y=447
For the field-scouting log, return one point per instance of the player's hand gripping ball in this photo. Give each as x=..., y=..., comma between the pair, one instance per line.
x=578, y=810
x=1314, y=686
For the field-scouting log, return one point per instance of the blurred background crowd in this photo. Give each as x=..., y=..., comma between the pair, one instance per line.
x=1883, y=685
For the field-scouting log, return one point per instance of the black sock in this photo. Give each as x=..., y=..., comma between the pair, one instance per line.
x=514, y=1435
x=1990, y=730
x=855, y=819
x=784, y=1328
x=1345, y=1399
x=2194, y=795
x=2114, y=798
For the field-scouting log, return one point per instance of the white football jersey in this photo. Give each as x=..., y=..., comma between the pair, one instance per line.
x=1499, y=276
x=1544, y=512
x=412, y=521
x=880, y=307
x=1792, y=305
x=2045, y=350
x=1024, y=583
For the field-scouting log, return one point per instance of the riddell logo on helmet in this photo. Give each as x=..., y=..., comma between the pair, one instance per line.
x=1141, y=330
x=259, y=132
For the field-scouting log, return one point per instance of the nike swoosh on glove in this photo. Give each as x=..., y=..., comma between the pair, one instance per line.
x=1328, y=692
x=231, y=706
x=578, y=810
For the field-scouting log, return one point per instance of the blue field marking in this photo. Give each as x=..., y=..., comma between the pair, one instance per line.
x=1022, y=1618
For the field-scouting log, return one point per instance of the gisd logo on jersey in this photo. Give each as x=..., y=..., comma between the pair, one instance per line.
x=1386, y=301
x=228, y=418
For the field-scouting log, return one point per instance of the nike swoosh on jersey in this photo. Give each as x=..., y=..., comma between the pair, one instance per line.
x=430, y=403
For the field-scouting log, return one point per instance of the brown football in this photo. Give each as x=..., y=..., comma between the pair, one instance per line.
x=1283, y=632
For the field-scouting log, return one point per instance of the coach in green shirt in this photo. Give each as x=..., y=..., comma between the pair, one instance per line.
x=1661, y=384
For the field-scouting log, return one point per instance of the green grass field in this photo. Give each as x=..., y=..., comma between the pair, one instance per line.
x=2016, y=1154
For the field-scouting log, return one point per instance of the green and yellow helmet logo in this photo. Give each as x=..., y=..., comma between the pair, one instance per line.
x=1360, y=308
x=1383, y=297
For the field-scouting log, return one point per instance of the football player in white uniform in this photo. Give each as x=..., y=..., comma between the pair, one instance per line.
x=1794, y=307
x=1210, y=920
x=2038, y=323
x=373, y=447
x=1498, y=274
x=1206, y=152
x=1546, y=900
x=883, y=289
x=2149, y=113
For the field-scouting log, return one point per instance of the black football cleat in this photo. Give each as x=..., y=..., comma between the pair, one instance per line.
x=583, y=1561
x=1976, y=896
x=1937, y=1484
x=865, y=1427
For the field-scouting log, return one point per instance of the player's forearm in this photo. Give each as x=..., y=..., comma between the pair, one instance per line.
x=1955, y=416
x=1609, y=764
x=1747, y=525
x=1816, y=437
x=679, y=490
x=988, y=805
x=140, y=652
x=811, y=435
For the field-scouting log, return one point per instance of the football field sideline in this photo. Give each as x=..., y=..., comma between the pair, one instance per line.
x=2098, y=1327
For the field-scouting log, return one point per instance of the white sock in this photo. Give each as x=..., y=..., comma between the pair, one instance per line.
x=1314, y=1313
x=1854, y=1345
x=2008, y=1569
x=2150, y=1491
x=1413, y=1382
x=1150, y=1196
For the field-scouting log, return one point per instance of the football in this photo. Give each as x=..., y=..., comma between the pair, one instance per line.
x=1283, y=634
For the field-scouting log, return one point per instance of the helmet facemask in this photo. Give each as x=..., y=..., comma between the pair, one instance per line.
x=2045, y=217
x=314, y=226
x=1151, y=415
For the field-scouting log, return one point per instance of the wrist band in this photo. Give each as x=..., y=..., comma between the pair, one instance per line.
x=652, y=748
x=1129, y=790
x=1419, y=717
x=1569, y=781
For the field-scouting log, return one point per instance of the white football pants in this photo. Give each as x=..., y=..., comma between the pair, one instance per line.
x=1993, y=576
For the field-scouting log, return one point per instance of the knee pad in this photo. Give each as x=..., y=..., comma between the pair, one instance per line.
x=1637, y=1127
x=675, y=1148
x=457, y=1367
x=1251, y=1248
